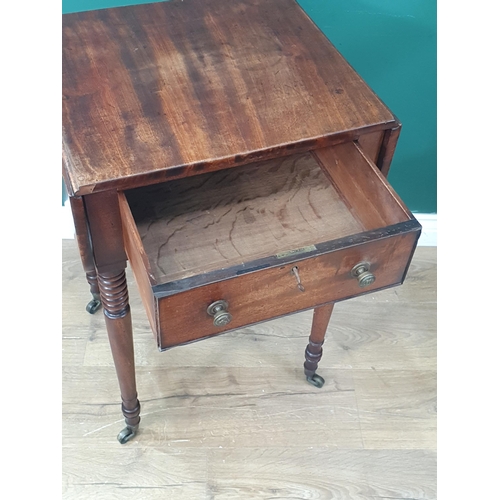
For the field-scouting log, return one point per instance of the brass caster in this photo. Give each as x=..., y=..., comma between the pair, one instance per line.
x=93, y=306
x=127, y=434
x=316, y=380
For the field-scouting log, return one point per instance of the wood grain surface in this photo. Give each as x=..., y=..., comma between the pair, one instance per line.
x=193, y=227
x=371, y=143
x=363, y=188
x=270, y=293
x=171, y=89
x=233, y=418
x=222, y=219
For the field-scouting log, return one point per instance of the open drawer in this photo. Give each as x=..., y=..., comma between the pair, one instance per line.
x=222, y=250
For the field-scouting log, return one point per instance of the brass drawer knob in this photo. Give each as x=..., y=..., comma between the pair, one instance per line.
x=218, y=310
x=362, y=273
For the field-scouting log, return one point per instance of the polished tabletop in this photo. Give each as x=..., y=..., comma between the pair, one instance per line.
x=171, y=89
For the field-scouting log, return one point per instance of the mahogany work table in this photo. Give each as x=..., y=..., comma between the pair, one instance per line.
x=236, y=160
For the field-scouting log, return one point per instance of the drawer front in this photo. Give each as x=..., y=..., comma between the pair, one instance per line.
x=269, y=293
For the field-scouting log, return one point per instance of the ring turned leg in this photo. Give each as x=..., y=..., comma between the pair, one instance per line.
x=114, y=296
x=85, y=247
x=314, y=350
x=95, y=303
x=104, y=222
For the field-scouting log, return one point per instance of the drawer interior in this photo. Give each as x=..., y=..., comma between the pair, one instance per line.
x=232, y=217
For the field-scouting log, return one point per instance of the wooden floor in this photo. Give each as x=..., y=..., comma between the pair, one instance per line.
x=233, y=417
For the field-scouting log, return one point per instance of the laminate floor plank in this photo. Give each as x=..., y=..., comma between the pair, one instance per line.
x=134, y=472
x=397, y=406
x=384, y=335
x=232, y=416
x=321, y=473
x=213, y=407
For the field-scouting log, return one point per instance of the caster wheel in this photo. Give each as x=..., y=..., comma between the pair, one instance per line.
x=93, y=306
x=127, y=434
x=316, y=380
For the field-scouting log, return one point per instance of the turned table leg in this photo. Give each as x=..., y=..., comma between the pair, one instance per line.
x=85, y=247
x=110, y=260
x=114, y=294
x=314, y=350
x=95, y=303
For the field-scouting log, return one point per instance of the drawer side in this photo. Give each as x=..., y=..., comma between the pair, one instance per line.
x=371, y=144
x=139, y=262
x=364, y=188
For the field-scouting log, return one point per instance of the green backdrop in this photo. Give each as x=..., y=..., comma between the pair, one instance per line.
x=392, y=45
